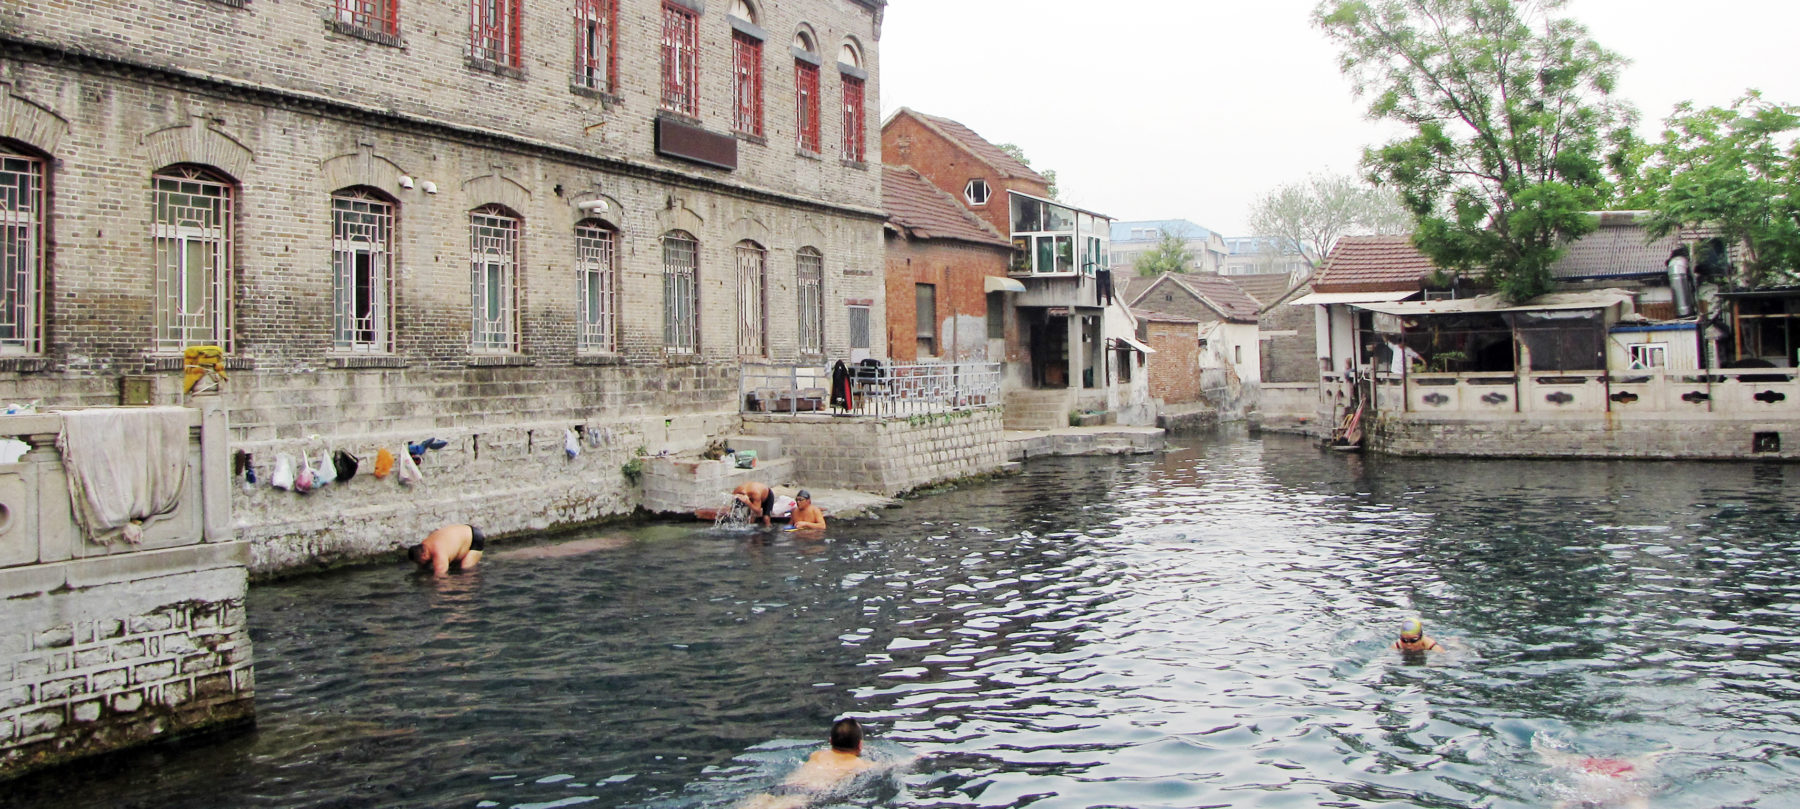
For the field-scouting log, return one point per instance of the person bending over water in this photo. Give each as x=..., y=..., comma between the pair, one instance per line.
x=823, y=773
x=757, y=498
x=1413, y=639
x=452, y=545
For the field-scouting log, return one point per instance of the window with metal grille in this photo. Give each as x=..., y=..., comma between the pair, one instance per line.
x=22, y=240
x=597, y=284
x=596, y=60
x=680, y=61
x=380, y=16
x=746, y=84
x=494, y=31
x=806, y=105
x=493, y=278
x=191, y=228
x=810, y=286
x=853, y=118
x=859, y=327
x=681, y=293
x=362, y=277
x=753, y=300
x=925, y=318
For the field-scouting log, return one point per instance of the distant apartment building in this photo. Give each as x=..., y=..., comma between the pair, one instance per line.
x=1265, y=255
x=1133, y=239
x=488, y=221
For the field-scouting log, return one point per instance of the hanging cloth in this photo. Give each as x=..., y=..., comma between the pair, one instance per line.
x=840, y=386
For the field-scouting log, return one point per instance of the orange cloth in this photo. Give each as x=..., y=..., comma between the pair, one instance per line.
x=384, y=463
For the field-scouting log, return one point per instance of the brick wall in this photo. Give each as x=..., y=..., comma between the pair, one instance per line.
x=1175, y=367
x=1290, y=357
x=958, y=271
x=906, y=142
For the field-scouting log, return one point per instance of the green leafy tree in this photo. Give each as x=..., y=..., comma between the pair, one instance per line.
x=1018, y=154
x=1307, y=218
x=1735, y=169
x=1511, y=113
x=1171, y=254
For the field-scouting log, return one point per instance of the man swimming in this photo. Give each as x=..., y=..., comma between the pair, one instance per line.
x=1413, y=638
x=458, y=545
x=823, y=772
x=1594, y=782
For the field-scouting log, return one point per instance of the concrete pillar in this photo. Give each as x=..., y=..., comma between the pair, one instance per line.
x=1075, y=359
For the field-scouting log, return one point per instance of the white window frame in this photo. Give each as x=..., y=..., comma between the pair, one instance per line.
x=362, y=236
x=597, y=286
x=977, y=192
x=493, y=280
x=1644, y=356
x=193, y=304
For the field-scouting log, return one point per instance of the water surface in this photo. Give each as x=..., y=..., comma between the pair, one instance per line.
x=1203, y=627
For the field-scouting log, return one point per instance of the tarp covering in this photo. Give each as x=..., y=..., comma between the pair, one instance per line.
x=1324, y=298
x=1132, y=342
x=1596, y=299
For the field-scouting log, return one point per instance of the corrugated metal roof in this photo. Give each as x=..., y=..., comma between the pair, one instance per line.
x=924, y=211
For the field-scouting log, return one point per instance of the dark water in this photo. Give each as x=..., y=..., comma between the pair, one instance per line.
x=1206, y=627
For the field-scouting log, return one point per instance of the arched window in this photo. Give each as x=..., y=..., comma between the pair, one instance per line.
x=680, y=60
x=596, y=54
x=362, y=271
x=753, y=299
x=806, y=92
x=23, y=220
x=810, y=288
x=681, y=293
x=855, y=126
x=493, y=279
x=192, y=230
x=597, y=284
x=746, y=71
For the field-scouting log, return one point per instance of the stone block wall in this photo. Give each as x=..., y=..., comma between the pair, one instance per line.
x=890, y=456
x=1291, y=407
x=1691, y=439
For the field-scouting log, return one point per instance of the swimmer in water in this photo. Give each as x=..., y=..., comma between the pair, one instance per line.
x=1413, y=638
x=823, y=772
x=1601, y=783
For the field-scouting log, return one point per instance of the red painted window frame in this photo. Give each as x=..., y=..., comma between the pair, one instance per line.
x=680, y=60
x=511, y=17
x=380, y=16
x=606, y=13
x=746, y=84
x=806, y=105
x=855, y=131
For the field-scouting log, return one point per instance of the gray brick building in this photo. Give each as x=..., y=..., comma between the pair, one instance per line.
x=483, y=220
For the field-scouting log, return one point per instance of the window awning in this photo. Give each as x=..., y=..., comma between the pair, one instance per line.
x=1323, y=298
x=1555, y=301
x=1131, y=342
x=1001, y=283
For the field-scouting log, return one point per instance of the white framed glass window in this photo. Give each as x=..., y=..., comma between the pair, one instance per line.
x=597, y=286
x=22, y=223
x=191, y=228
x=362, y=275
x=1648, y=355
x=753, y=300
x=681, y=293
x=810, y=288
x=493, y=279
x=977, y=192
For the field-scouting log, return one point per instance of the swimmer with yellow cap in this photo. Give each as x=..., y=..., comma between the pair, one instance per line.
x=1414, y=639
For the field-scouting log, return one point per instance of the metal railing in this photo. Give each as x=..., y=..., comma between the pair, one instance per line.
x=882, y=390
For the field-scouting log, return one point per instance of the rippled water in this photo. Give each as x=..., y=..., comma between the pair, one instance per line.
x=1205, y=627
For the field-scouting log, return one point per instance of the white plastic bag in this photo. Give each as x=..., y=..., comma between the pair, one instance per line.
x=571, y=444
x=406, y=471
x=325, y=473
x=283, y=477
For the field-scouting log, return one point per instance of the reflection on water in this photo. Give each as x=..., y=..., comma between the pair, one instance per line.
x=1206, y=627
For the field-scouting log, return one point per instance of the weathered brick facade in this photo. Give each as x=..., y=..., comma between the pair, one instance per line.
x=288, y=106
x=1175, y=367
x=958, y=272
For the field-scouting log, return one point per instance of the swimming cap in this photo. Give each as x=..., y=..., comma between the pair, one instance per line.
x=1412, y=627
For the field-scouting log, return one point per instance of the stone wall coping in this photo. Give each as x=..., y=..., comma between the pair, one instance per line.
x=121, y=567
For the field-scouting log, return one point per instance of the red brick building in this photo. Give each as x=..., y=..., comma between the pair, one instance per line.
x=1174, y=369
x=952, y=157
x=940, y=258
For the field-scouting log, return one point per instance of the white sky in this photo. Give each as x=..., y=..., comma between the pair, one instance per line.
x=1180, y=109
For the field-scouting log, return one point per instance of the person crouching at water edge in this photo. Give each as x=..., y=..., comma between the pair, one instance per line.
x=1413, y=639
x=824, y=773
x=457, y=546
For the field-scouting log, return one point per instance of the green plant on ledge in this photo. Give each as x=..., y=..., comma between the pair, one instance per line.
x=1074, y=418
x=633, y=470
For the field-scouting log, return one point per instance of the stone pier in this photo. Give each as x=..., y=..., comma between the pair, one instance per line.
x=103, y=647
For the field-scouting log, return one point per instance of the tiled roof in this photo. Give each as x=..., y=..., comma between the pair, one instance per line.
x=1006, y=164
x=924, y=211
x=1146, y=314
x=1372, y=264
x=1214, y=291
x=1131, y=286
x=1266, y=288
x=1621, y=247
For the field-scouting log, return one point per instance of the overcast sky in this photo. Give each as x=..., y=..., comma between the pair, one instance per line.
x=1180, y=109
